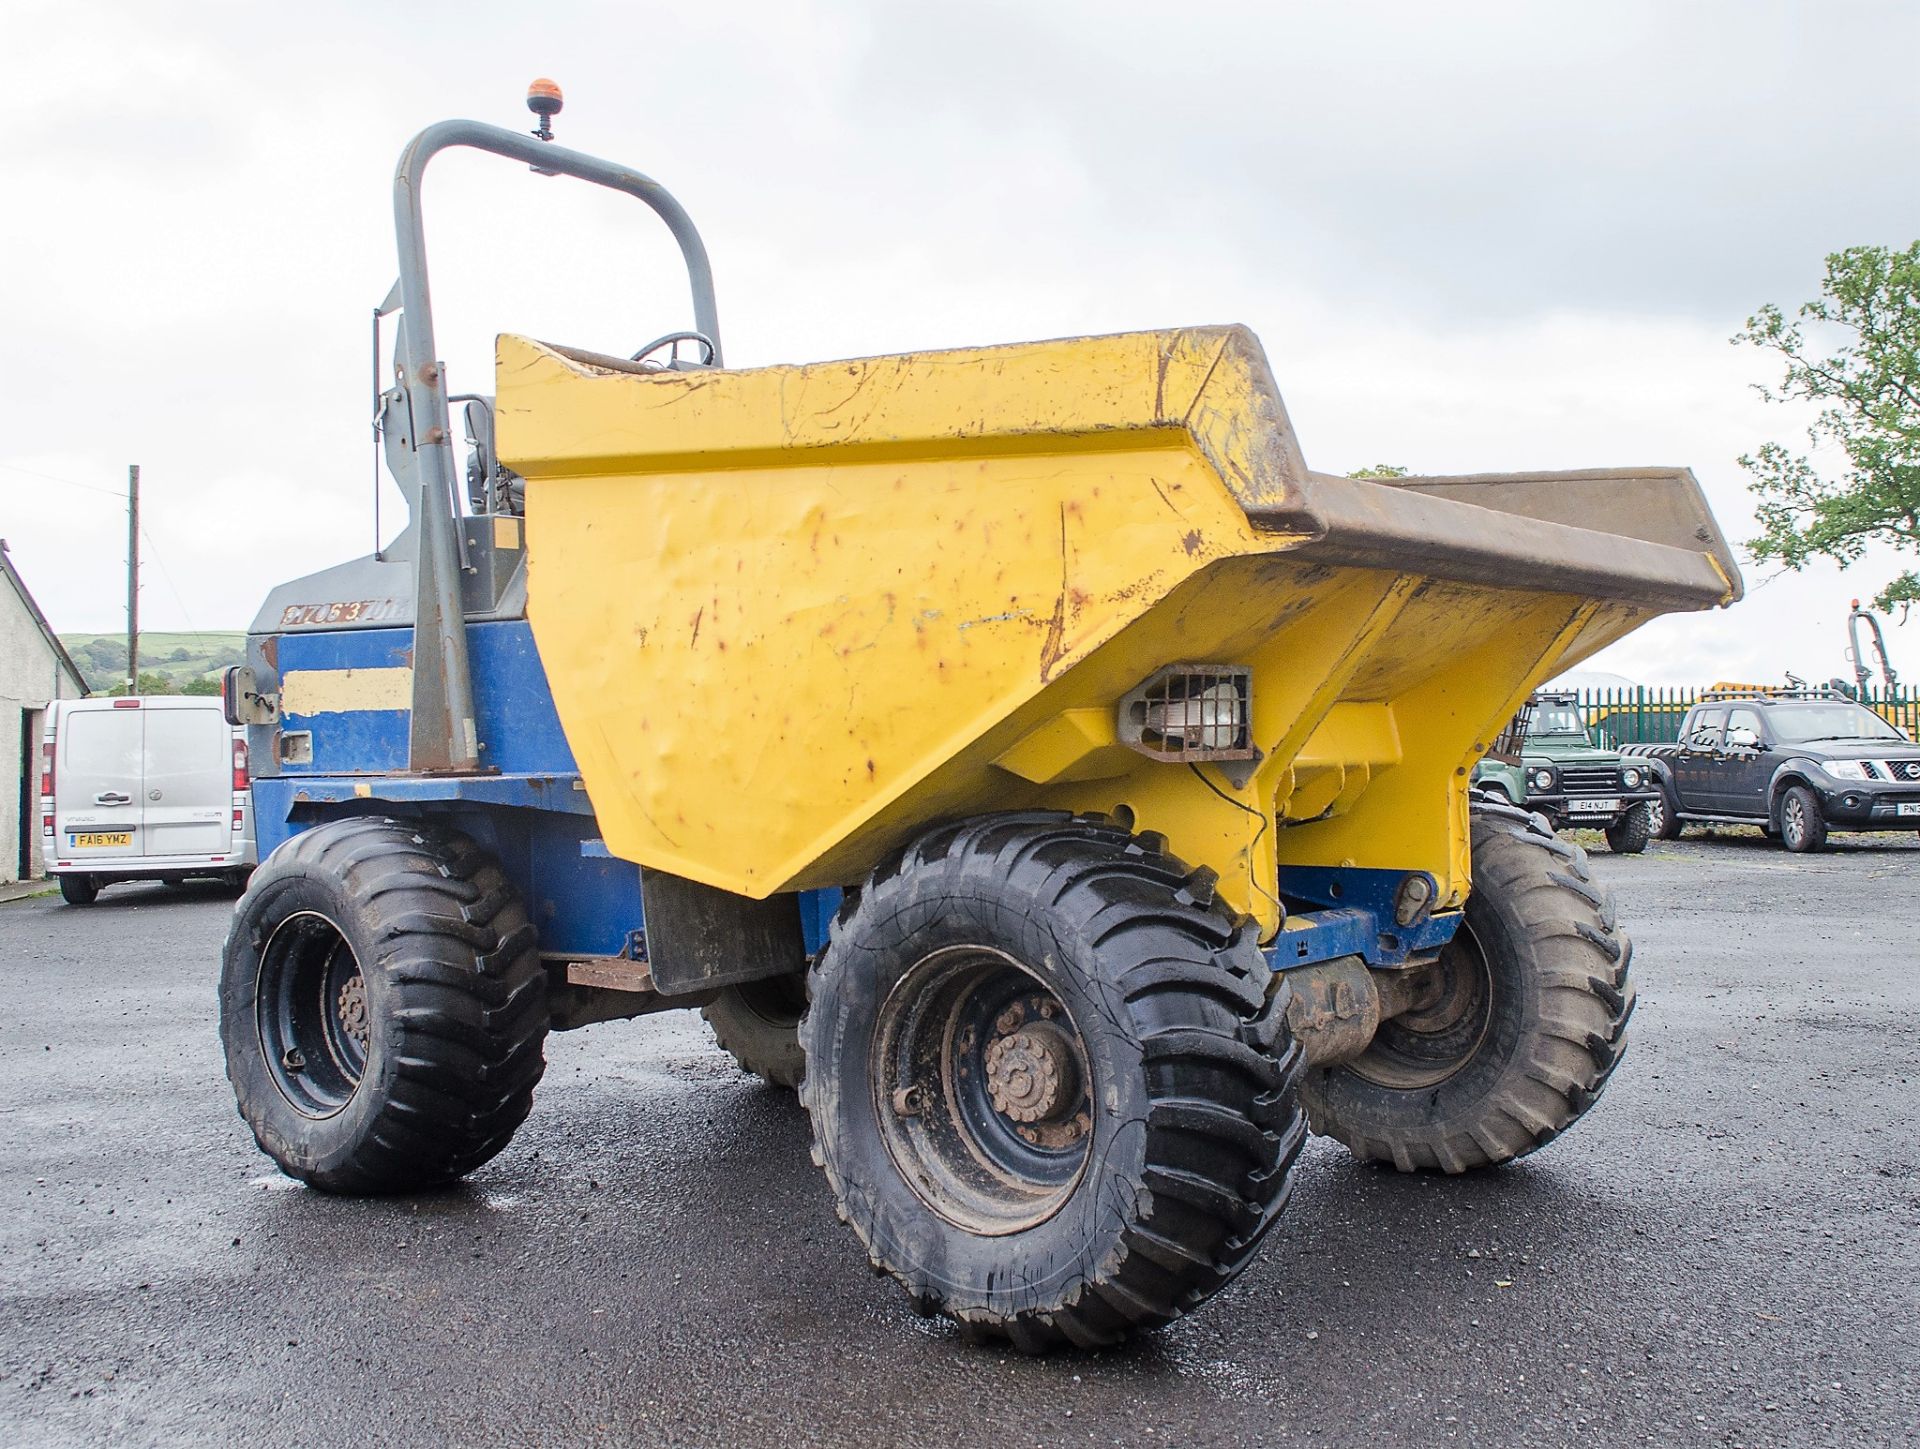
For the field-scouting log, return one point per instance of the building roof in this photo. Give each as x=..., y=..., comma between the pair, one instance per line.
x=46, y=629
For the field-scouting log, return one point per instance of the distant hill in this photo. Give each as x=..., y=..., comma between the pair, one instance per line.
x=169, y=663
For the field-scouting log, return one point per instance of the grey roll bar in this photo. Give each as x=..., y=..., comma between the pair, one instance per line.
x=443, y=736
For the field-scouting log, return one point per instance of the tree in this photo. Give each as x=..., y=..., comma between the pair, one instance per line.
x=151, y=682
x=1379, y=470
x=1855, y=353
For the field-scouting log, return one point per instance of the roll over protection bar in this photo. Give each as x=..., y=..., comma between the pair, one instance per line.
x=443, y=738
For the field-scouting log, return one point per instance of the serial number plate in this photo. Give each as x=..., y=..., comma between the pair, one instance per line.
x=103, y=837
x=1907, y=807
x=1592, y=807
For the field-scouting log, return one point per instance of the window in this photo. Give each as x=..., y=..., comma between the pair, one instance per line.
x=1798, y=723
x=1557, y=719
x=1705, y=733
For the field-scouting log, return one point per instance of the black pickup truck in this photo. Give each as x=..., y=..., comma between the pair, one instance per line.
x=1798, y=766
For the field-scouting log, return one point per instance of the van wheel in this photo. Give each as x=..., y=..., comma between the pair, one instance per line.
x=1050, y=1080
x=382, y=1006
x=79, y=890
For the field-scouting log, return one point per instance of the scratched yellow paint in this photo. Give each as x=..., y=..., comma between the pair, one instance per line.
x=792, y=616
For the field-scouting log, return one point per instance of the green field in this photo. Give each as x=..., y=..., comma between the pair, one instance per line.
x=169, y=663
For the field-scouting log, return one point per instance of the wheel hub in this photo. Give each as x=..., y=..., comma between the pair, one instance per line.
x=1030, y=1074
x=352, y=1007
x=982, y=1081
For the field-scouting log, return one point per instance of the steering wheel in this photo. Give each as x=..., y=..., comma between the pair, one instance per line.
x=673, y=340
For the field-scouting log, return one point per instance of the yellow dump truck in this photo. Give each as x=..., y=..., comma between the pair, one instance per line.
x=1021, y=750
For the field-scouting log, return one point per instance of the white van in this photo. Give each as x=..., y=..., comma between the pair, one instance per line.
x=152, y=788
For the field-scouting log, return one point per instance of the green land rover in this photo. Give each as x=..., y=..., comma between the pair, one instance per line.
x=1546, y=762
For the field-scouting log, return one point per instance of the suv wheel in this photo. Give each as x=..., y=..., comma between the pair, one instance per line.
x=1803, y=828
x=1663, y=819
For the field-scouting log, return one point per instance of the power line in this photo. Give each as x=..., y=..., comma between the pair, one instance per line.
x=113, y=493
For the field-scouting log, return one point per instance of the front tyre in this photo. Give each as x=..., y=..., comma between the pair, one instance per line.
x=1630, y=833
x=1049, y=1082
x=382, y=1006
x=1663, y=814
x=1527, y=1023
x=1803, y=825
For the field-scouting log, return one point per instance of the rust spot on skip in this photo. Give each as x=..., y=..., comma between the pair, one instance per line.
x=1054, y=644
x=869, y=769
x=1191, y=540
x=698, y=614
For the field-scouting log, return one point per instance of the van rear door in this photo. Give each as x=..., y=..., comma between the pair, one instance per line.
x=188, y=778
x=97, y=787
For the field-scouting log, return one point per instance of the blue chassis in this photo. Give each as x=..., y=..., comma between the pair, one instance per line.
x=534, y=815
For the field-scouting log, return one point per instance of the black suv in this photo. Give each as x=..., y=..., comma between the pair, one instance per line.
x=1797, y=766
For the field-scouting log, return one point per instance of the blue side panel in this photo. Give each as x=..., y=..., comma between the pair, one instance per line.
x=817, y=910
x=513, y=706
x=1350, y=912
x=362, y=741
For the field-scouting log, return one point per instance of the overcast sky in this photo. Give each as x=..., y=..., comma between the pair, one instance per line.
x=1471, y=237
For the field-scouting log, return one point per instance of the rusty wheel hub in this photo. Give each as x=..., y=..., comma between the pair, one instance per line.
x=1029, y=1073
x=352, y=1006
x=1033, y=1075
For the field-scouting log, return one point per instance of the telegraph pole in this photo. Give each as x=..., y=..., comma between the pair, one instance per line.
x=133, y=578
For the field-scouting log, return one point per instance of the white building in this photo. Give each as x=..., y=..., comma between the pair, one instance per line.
x=34, y=668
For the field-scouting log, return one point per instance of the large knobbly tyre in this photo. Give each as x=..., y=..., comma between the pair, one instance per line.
x=382, y=1006
x=1529, y=1022
x=759, y=1026
x=1050, y=1080
x=1630, y=833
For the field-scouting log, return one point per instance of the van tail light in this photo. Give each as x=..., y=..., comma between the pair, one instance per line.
x=240, y=780
x=46, y=769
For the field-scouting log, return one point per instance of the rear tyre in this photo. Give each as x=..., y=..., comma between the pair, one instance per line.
x=1050, y=1080
x=759, y=1025
x=1803, y=826
x=1663, y=815
x=1630, y=833
x=79, y=890
x=382, y=1006
x=1530, y=1024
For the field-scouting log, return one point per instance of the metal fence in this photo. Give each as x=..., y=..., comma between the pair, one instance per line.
x=1652, y=715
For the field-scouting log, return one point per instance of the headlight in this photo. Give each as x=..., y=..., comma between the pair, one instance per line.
x=1630, y=777
x=1845, y=769
x=1541, y=779
x=1191, y=712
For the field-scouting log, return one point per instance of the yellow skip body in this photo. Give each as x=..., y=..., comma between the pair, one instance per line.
x=792, y=616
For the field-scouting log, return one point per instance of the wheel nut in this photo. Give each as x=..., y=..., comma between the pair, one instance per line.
x=1007, y=1020
x=908, y=1102
x=294, y=1060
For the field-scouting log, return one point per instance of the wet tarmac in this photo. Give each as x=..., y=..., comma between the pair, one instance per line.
x=1726, y=1252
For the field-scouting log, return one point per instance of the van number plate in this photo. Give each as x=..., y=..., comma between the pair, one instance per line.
x=104, y=837
x=1907, y=807
x=1592, y=807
